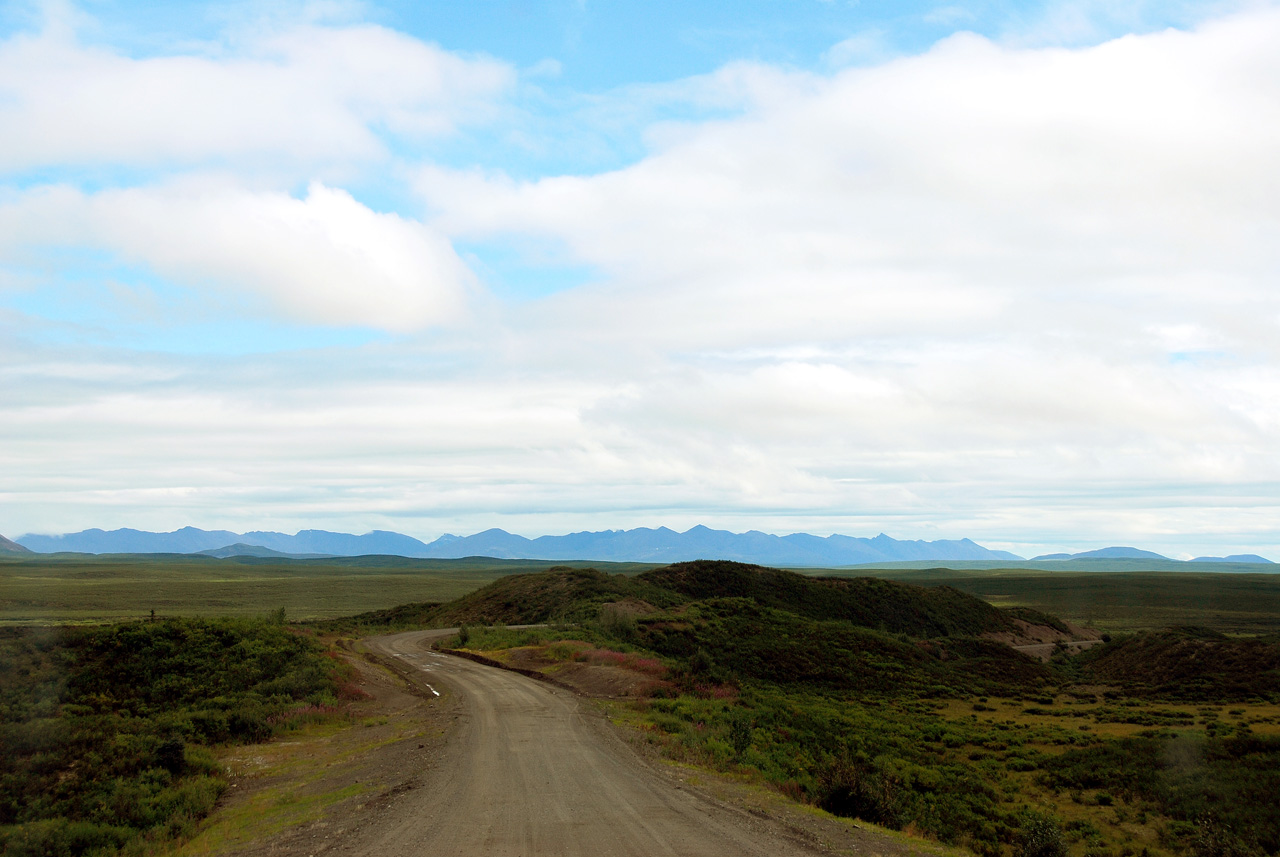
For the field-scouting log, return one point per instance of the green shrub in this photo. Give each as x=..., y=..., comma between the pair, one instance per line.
x=1040, y=836
x=1215, y=838
x=60, y=837
x=740, y=733
x=102, y=740
x=855, y=789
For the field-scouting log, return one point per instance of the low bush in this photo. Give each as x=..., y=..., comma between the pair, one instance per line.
x=105, y=729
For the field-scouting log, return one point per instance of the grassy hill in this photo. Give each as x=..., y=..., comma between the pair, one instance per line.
x=577, y=593
x=1188, y=664
x=764, y=624
x=562, y=593
x=890, y=605
x=738, y=638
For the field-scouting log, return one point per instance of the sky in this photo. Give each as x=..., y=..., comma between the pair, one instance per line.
x=1000, y=270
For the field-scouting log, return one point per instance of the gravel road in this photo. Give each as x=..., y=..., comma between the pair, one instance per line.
x=531, y=770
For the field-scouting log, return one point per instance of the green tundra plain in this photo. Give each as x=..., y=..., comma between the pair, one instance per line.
x=892, y=698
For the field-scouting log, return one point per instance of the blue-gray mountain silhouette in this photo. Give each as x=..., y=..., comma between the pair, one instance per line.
x=1105, y=553
x=638, y=545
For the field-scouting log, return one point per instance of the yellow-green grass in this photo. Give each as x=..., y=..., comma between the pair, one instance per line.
x=1071, y=714
x=295, y=764
x=1135, y=826
x=85, y=589
x=293, y=792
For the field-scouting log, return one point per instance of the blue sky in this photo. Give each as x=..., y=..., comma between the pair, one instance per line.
x=995, y=270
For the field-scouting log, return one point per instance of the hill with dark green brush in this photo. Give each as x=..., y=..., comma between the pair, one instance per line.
x=741, y=639
x=1192, y=664
x=766, y=624
x=559, y=594
x=937, y=611
x=577, y=593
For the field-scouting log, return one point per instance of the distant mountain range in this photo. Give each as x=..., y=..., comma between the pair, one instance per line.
x=1105, y=553
x=638, y=545
x=659, y=545
x=194, y=540
x=1135, y=553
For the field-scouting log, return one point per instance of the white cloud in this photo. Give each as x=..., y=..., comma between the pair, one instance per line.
x=323, y=259
x=978, y=187
x=300, y=95
x=1000, y=255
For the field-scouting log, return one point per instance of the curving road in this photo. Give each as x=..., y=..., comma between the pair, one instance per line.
x=530, y=771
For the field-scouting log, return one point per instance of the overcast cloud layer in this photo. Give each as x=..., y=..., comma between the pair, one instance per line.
x=1015, y=291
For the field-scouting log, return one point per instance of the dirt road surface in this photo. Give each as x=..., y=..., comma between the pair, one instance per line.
x=451, y=757
x=533, y=771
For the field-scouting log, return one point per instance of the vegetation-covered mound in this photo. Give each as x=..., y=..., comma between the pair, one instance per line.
x=104, y=730
x=739, y=638
x=564, y=593
x=766, y=624
x=920, y=611
x=417, y=614
x=1191, y=664
x=559, y=594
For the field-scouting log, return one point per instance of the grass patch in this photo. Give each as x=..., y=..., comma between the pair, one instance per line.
x=82, y=588
x=265, y=814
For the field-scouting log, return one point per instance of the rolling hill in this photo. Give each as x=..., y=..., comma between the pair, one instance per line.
x=577, y=594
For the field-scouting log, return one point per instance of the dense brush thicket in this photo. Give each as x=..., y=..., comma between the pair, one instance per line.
x=106, y=730
x=748, y=641
x=1191, y=664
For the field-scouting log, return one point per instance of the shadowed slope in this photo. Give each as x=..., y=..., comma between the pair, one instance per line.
x=7, y=546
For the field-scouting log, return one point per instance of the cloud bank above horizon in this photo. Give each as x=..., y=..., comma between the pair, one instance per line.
x=330, y=269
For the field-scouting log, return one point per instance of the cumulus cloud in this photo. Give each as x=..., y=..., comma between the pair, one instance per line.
x=325, y=258
x=287, y=105
x=1081, y=193
x=302, y=94
x=1026, y=170
x=1020, y=271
